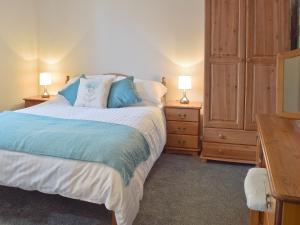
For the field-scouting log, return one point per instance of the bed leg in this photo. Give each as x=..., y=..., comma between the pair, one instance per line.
x=113, y=220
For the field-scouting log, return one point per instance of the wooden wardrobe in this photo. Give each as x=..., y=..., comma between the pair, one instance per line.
x=242, y=40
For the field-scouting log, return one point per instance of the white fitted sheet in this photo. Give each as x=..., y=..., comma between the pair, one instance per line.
x=91, y=182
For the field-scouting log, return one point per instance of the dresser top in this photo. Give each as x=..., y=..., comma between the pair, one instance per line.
x=280, y=139
x=177, y=104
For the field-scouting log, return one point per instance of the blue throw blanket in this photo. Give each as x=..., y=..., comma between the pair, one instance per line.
x=118, y=146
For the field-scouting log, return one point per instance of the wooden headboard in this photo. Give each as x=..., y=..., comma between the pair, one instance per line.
x=163, y=79
x=115, y=74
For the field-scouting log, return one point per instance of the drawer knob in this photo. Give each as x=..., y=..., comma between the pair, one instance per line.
x=220, y=150
x=181, y=142
x=182, y=116
x=221, y=136
x=181, y=128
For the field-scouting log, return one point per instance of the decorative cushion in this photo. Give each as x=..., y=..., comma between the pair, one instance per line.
x=93, y=92
x=122, y=94
x=151, y=92
x=255, y=189
x=70, y=91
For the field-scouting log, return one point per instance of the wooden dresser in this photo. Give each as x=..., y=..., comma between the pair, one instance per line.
x=279, y=152
x=183, y=127
x=241, y=43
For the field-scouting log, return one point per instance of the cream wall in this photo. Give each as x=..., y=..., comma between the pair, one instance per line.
x=18, y=52
x=145, y=38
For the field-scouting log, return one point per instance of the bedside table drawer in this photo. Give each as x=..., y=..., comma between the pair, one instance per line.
x=182, y=114
x=182, y=141
x=31, y=103
x=186, y=128
x=35, y=100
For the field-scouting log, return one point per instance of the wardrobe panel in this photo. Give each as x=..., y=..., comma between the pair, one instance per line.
x=225, y=95
x=263, y=28
x=260, y=92
x=226, y=28
x=268, y=27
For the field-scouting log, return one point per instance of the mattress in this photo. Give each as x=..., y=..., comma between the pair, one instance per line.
x=87, y=181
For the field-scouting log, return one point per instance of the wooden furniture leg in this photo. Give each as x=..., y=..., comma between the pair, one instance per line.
x=113, y=220
x=254, y=217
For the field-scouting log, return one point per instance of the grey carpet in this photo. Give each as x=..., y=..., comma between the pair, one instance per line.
x=180, y=190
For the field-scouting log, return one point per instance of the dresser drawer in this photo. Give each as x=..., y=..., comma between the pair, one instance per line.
x=187, y=128
x=229, y=151
x=230, y=136
x=182, y=114
x=182, y=141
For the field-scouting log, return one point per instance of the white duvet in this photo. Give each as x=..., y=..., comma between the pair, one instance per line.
x=91, y=182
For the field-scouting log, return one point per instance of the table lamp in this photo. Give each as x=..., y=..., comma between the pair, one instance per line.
x=184, y=83
x=45, y=80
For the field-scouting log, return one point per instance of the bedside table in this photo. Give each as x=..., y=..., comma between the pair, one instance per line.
x=35, y=100
x=183, y=127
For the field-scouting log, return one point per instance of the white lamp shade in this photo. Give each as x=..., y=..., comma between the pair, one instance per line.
x=184, y=82
x=45, y=79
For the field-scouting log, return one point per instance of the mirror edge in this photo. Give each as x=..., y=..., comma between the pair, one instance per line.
x=280, y=84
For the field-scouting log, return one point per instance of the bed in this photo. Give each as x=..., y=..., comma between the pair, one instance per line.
x=88, y=181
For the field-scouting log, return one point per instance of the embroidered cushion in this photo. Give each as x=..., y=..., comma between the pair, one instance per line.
x=93, y=92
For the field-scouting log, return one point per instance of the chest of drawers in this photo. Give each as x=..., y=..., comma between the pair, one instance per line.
x=183, y=128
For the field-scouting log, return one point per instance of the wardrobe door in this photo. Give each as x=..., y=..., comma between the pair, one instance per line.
x=267, y=35
x=225, y=63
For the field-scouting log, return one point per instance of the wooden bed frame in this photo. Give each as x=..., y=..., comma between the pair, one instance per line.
x=163, y=81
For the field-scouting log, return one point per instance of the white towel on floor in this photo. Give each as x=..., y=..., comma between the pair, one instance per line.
x=255, y=189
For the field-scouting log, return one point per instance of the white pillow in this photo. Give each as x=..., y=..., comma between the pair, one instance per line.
x=93, y=92
x=151, y=92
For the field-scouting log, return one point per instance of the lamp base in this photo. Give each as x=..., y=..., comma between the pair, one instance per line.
x=45, y=94
x=184, y=99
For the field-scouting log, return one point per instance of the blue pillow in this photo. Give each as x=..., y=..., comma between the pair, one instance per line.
x=70, y=92
x=122, y=94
